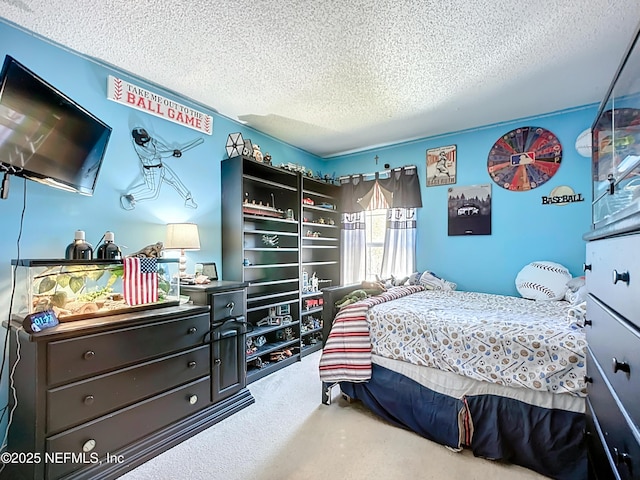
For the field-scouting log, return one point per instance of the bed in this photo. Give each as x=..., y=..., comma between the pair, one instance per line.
x=503, y=376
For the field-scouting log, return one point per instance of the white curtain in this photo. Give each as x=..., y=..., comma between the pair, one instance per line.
x=353, y=240
x=399, y=257
x=400, y=193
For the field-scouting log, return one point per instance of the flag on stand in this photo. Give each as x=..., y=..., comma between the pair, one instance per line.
x=140, y=280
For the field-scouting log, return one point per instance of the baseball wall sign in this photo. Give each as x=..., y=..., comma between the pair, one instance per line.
x=562, y=195
x=121, y=91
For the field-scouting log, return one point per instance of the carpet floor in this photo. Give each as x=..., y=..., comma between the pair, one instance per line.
x=288, y=434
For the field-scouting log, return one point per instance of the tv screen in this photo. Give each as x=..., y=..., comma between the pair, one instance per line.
x=46, y=136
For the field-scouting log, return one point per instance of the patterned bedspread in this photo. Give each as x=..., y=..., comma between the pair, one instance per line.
x=346, y=355
x=500, y=339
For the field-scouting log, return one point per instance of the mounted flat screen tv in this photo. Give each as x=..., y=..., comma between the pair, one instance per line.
x=44, y=135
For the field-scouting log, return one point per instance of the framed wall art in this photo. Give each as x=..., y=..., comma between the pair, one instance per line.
x=469, y=210
x=524, y=158
x=441, y=166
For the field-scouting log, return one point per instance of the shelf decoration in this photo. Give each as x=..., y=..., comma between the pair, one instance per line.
x=267, y=210
x=235, y=144
x=524, y=158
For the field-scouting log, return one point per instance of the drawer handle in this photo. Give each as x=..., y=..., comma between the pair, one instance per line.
x=620, y=277
x=88, y=400
x=191, y=364
x=622, y=457
x=230, y=306
x=192, y=330
x=193, y=399
x=89, y=445
x=89, y=354
x=620, y=366
x=586, y=267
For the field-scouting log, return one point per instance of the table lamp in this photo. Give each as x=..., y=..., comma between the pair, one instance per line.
x=182, y=236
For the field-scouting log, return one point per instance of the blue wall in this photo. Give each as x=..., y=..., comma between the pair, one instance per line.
x=523, y=230
x=51, y=215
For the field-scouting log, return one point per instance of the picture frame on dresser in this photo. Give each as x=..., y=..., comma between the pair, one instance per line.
x=210, y=270
x=611, y=269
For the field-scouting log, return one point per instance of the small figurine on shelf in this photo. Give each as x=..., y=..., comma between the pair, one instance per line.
x=267, y=158
x=257, y=154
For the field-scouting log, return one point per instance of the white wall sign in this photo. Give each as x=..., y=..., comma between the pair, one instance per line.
x=126, y=93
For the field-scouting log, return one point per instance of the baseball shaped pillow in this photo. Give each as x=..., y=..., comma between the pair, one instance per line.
x=543, y=281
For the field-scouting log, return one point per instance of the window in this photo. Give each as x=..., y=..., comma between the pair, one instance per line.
x=375, y=225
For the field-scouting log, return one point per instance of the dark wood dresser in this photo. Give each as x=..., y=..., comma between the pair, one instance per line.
x=612, y=271
x=97, y=397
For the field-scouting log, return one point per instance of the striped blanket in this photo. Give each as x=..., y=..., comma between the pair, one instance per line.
x=346, y=356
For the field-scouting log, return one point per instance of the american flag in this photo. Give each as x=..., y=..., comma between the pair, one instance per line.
x=140, y=280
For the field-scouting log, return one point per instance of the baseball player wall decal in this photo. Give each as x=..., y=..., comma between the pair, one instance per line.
x=155, y=171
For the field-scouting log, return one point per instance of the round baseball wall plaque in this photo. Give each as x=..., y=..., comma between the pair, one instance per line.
x=524, y=158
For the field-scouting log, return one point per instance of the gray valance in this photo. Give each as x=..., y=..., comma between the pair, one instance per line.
x=400, y=189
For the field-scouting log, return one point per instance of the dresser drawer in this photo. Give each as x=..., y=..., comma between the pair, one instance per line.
x=227, y=304
x=79, y=357
x=114, y=431
x=82, y=401
x=614, y=277
x=618, y=436
x=616, y=345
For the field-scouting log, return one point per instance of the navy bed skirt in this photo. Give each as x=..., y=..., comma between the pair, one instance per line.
x=548, y=441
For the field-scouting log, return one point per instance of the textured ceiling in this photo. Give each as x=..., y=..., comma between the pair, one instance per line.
x=336, y=76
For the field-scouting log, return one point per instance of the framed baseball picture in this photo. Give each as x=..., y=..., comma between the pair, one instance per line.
x=441, y=166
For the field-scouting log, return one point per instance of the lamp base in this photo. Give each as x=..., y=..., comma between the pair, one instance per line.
x=183, y=264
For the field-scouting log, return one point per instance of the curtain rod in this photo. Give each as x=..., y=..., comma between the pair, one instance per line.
x=383, y=172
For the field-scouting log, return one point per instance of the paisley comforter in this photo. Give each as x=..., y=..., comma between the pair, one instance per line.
x=505, y=340
x=499, y=339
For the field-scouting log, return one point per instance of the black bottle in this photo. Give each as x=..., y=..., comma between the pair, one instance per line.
x=109, y=250
x=79, y=249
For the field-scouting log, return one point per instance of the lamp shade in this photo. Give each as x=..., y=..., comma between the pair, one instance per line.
x=182, y=236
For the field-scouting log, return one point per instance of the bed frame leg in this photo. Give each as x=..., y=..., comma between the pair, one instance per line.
x=326, y=392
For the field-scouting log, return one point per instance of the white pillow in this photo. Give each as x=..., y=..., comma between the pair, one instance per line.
x=543, y=281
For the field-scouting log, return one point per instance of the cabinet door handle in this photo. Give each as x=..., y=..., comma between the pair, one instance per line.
x=217, y=361
x=620, y=366
x=191, y=364
x=192, y=330
x=620, y=277
x=588, y=379
x=89, y=354
x=586, y=267
x=612, y=184
x=588, y=322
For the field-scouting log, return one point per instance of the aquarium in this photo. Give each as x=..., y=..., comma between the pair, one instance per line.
x=79, y=289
